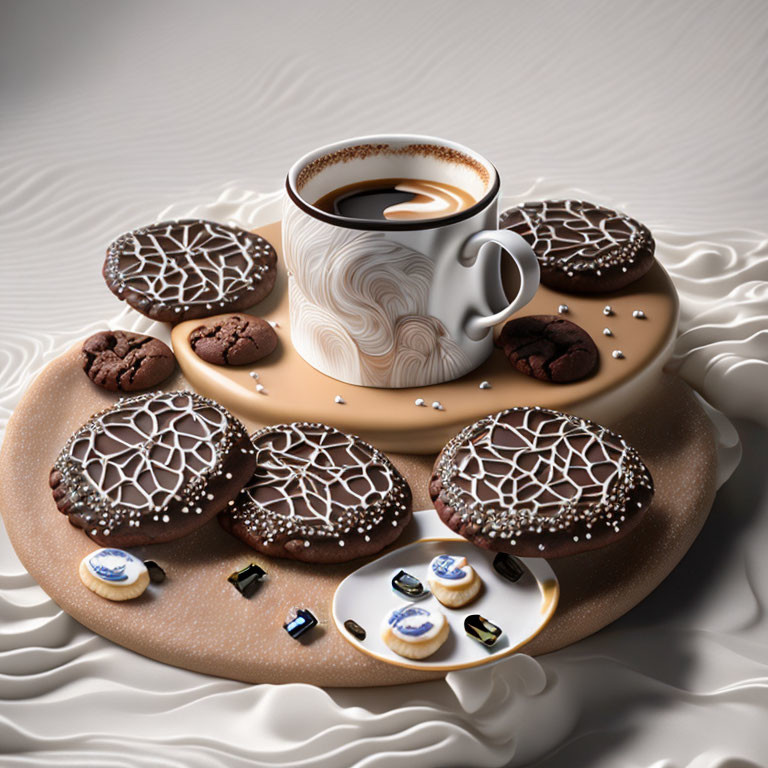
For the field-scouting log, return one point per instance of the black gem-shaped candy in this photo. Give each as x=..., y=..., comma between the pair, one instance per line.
x=408, y=585
x=354, y=629
x=507, y=566
x=156, y=573
x=300, y=621
x=482, y=630
x=246, y=580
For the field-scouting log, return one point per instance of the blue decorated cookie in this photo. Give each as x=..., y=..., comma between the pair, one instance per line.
x=114, y=574
x=453, y=581
x=414, y=632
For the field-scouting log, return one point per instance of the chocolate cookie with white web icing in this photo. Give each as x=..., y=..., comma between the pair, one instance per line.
x=582, y=247
x=538, y=483
x=152, y=468
x=181, y=270
x=318, y=495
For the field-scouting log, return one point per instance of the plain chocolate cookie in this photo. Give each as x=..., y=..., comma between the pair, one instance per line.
x=538, y=483
x=180, y=270
x=233, y=340
x=549, y=348
x=582, y=247
x=122, y=361
x=318, y=495
x=152, y=468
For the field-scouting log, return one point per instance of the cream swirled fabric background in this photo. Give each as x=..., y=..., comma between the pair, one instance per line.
x=115, y=113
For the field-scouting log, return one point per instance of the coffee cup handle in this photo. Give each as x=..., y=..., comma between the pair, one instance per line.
x=527, y=265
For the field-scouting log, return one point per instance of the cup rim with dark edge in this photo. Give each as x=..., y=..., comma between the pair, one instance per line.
x=377, y=224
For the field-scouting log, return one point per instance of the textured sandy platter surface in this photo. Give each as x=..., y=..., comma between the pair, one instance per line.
x=198, y=621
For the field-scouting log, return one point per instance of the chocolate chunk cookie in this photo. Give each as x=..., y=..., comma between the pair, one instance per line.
x=549, y=348
x=121, y=361
x=152, y=468
x=538, y=483
x=318, y=495
x=233, y=340
x=582, y=247
x=180, y=270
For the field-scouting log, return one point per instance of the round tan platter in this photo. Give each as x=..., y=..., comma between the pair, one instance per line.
x=197, y=620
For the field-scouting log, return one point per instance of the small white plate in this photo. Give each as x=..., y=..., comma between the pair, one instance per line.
x=522, y=609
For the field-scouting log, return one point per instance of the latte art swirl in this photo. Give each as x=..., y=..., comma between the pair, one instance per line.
x=430, y=201
x=396, y=200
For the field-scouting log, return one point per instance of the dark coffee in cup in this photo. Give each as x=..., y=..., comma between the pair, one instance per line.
x=395, y=200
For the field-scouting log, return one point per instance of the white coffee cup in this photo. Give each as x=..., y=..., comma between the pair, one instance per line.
x=398, y=303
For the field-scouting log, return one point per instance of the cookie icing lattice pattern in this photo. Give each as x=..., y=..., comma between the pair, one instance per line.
x=316, y=481
x=577, y=236
x=536, y=470
x=136, y=458
x=188, y=262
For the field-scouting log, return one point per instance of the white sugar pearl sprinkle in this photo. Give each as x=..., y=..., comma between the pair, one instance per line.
x=617, y=354
x=437, y=405
x=639, y=314
x=563, y=309
x=339, y=400
x=419, y=401
x=607, y=310
x=607, y=332
x=253, y=375
x=261, y=389
x=485, y=385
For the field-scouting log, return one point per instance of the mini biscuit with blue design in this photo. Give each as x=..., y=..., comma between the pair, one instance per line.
x=453, y=581
x=114, y=574
x=414, y=632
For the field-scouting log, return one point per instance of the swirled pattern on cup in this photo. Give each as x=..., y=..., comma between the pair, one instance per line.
x=359, y=306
